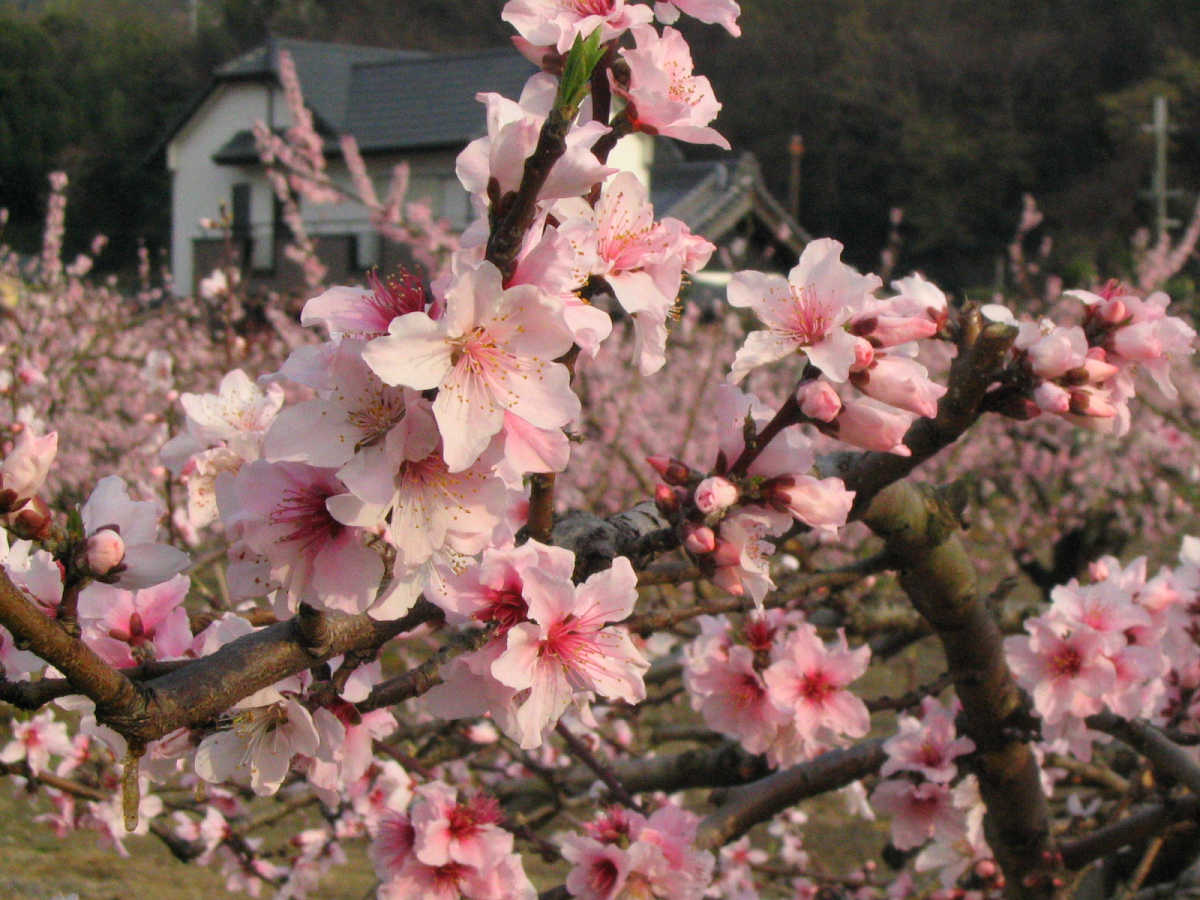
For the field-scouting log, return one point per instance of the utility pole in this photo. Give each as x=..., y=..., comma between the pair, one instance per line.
x=1159, y=192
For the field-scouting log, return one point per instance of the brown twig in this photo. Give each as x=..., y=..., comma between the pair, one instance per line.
x=581, y=752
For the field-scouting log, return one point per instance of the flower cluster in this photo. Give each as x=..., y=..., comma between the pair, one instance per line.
x=626, y=854
x=758, y=488
x=1124, y=643
x=553, y=644
x=775, y=686
x=1086, y=372
x=923, y=801
x=445, y=848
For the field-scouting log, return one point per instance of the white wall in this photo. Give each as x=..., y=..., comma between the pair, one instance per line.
x=199, y=186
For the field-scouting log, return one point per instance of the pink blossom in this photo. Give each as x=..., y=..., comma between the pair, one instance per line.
x=664, y=96
x=641, y=260
x=25, y=468
x=804, y=312
x=436, y=516
x=238, y=416
x=919, y=812
x=513, y=130
x=565, y=648
x=352, y=413
x=35, y=740
x=283, y=512
x=490, y=352
x=365, y=313
x=560, y=22
x=493, y=591
x=718, y=12
x=927, y=745
x=809, y=682
x=451, y=831
x=126, y=628
x=259, y=746
x=145, y=561
x=742, y=556
x=733, y=698
x=1067, y=675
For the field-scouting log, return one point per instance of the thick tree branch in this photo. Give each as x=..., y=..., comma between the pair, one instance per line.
x=1136, y=827
x=87, y=672
x=723, y=766
x=936, y=572
x=761, y=800
x=982, y=348
x=1168, y=759
x=202, y=691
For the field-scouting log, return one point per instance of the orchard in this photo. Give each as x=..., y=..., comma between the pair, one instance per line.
x=534, y=579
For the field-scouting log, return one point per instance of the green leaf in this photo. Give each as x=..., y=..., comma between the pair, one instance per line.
x=577, y=71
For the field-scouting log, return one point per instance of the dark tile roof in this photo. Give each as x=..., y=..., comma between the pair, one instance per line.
x=431, y=102
x=324, y=70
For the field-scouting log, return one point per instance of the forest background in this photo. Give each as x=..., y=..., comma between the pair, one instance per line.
x=950, y=110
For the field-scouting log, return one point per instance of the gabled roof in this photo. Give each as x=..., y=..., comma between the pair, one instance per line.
x=325, y=70
x=712, y=196
x=422, y=103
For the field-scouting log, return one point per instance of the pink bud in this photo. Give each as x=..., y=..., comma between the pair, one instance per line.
x=700, y=540
x=665, y=499
x=1113, y=311
x=672, y=470
x=864, y=354
x=1052, y=398
x=105, y=550
x=818, y=400
x=873, y=426
x=715, y=494
x=985, y=868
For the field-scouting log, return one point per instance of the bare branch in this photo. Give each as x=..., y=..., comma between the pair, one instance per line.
x=761, y=800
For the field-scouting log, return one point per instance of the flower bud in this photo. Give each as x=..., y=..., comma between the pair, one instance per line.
x=864, y=354
x=665, y=499
x=105, y=550
x=700, y=540
x=1052, y=398
x=1113, y=311
x=715, y=494
x=818, y=400
x=672, y=470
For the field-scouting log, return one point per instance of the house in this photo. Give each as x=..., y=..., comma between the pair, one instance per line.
x=410, y=106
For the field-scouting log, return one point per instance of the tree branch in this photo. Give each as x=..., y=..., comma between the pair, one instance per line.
x=85, y=670
x=939, y=578
x=759, y=801
x=1168, y=759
